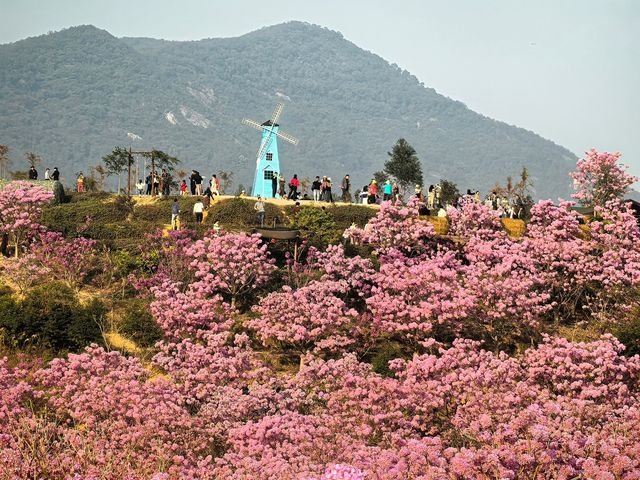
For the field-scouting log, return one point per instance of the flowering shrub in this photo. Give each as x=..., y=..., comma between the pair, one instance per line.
x=21, y=204
x=599, y=178
x=311, y=317
x=232, y=264
x=397, y=227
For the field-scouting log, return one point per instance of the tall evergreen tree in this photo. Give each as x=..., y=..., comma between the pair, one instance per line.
x=404, y=165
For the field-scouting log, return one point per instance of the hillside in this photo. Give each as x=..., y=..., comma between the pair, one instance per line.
x=73, y=95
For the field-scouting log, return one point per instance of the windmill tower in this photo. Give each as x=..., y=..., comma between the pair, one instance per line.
x=267, y=160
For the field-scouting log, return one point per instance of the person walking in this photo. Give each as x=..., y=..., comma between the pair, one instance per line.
x=281, y=182
x=315, y=189
x=198, y=209
x=259, y=208
x=293, y=187
x=387, y=191
x=33, y=173
x=55, y=175
x=346, y=189
x=175, y=212
x=274, y=184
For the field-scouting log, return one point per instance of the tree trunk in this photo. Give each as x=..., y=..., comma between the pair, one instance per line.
x=153, y=175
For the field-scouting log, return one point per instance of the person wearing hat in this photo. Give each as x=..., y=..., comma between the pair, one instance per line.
x=373, y=192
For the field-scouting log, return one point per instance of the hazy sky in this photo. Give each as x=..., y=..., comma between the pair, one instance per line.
x=566, y=69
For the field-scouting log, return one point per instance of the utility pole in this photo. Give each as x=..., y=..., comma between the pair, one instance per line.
x=129, y=173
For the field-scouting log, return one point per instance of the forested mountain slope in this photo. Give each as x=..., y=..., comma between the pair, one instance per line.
x=75, y=94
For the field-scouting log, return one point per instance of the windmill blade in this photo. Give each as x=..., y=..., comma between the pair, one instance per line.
x=287, y=138
x=277, y=112
x=264, y=146
x=253, y=124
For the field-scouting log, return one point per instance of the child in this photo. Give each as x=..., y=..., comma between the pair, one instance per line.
x=183, y=188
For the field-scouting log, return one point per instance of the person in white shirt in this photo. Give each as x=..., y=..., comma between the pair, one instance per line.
x=47, y=175
x=198, y=209
x=259, y=207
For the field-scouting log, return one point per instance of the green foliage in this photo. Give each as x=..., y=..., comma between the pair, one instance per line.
x=628, y=332
x=118, y=161
x=384, y=353
x=403, y=165
x=138, y=324
x=449, y=192
x=239, y=212
x=162, y=160
x=317, y=225
x=50, y=316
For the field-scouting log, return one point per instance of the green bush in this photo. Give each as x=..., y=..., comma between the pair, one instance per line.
x=138, y=324
x=239, y=212
x=345, y=215
x=317, y=225
x=51, y=316
x=628, y=333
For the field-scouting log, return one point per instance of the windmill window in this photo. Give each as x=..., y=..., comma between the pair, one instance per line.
x=269, y=156
x=268, y=174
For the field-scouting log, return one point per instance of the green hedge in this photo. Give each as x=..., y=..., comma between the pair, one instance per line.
x=50, y=316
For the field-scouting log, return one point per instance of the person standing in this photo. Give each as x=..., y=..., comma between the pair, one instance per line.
x=259, y=208
x=274, y=184
x=80, y=182
x=175, y=212
x=346, y=189
x=214, y=185
x=431, y=197
x=183, y=188
x=55, y=175
x=387, y=191
x=198, y=209
x=329, y=192
x=315, y=189
x=33, y=173
x=281, y=182
x=293, y=187
x=198, y=183
x=47, y=175
x=192, y=181
x=140, y=187
x=373, y=192
x=147, y=181
x=395, y=191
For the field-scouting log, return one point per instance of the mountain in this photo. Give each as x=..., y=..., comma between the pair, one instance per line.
x=73, y=95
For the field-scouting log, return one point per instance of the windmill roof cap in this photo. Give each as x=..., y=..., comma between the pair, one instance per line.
x=269, y=123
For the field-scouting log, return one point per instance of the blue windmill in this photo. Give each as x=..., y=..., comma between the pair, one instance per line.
x=267, y=160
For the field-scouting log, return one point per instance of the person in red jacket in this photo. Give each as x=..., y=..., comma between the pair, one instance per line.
x=293, y=188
